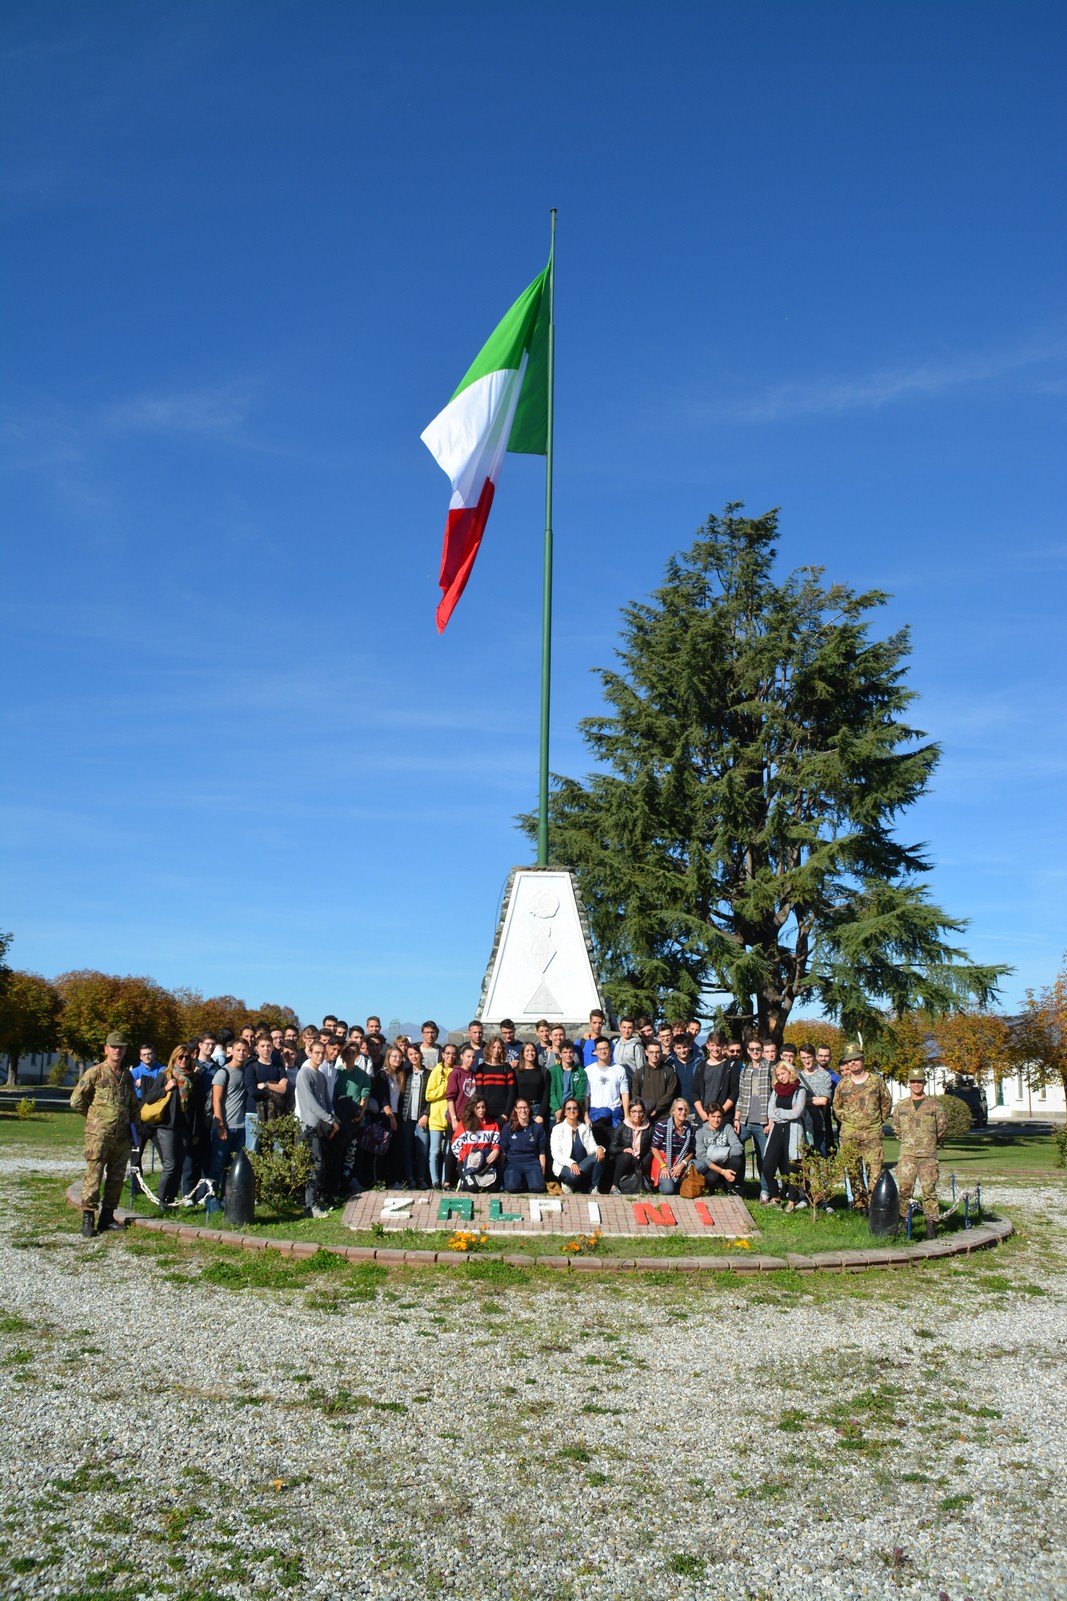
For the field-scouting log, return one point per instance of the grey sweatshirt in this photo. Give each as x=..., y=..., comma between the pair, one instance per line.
x=313, y=1106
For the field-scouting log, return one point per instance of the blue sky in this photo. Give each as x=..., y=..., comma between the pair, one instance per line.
x=809, y=256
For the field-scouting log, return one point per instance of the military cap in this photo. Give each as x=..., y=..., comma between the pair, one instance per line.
x=116, y=1038
x=916, y=1076
x=852, y=1052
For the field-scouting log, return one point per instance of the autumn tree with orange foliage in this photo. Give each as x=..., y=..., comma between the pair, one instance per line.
x=202, y=1015
x=29, y=1014
x=903, y=1046
x=94, y=1003
x=1039, y=1035
x=801, y=1032
x=973, y=1042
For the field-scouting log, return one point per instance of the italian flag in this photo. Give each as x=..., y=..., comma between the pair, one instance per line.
x=501, y=405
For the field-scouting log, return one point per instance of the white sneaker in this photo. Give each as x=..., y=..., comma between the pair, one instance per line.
x=321, y=1211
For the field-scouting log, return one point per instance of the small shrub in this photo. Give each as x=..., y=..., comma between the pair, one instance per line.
x=282, y=1165
x=58, y=1072
x=819, y=1177
x=1060, y=1142
x=25, y=1108
x=958, y=1113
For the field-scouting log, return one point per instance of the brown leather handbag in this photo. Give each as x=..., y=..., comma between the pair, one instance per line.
x=692, y=1185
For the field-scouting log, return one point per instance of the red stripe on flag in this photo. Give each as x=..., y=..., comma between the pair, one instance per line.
x=463, y=536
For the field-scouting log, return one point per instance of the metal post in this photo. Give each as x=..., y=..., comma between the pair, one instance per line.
x=546, y=613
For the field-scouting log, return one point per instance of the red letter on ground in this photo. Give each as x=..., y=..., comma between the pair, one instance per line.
x=645, y=1213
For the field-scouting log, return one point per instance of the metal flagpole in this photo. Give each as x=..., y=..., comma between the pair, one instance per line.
x=546, y=615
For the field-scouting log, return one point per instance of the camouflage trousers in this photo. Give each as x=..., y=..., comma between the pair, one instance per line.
x=106, y=1157
x=862, y=1152
x=923, y=1169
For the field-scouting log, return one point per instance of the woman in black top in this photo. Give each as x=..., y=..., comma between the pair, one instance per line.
x=631, y=1151
x=532, y=1083
x=182, y=1120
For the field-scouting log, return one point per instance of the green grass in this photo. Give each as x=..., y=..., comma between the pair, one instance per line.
x=993, y=1152
x=46, y=1134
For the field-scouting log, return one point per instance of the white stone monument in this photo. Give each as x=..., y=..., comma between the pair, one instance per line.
x=542, y=961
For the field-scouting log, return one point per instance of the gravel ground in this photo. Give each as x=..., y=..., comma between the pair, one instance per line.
x=436, y=1434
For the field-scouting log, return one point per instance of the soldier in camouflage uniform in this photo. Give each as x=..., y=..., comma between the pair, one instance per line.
x=920, y=1125
x=861, y=1105
x=106, y=1097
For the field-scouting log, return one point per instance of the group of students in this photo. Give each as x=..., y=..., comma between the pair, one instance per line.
x=636, y=1112
x=644, y=1111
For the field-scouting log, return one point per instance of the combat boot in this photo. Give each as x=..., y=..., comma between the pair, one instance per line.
x=108, y=1222
x=88, y=1225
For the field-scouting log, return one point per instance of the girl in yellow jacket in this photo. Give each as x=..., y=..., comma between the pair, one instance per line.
x=438, y=1125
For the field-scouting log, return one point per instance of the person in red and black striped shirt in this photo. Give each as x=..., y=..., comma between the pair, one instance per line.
x=495, y=1079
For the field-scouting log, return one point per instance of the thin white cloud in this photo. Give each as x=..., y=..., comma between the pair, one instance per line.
x=924, y=380
x=217, y=412
x=46, y=435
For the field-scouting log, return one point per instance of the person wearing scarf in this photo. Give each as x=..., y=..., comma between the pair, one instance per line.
x=784, y=1126
x=673, y=1143
x=631, y=1151
x=181, y=1123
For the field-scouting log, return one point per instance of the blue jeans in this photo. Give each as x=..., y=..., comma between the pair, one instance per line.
x=438, y=1137
x=524, y=1176
x=667, y=1185
x=587, y=1177
x=416, y=1152
x=222, y=1154
x=755, y=1130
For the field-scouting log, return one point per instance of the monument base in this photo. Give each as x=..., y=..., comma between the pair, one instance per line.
x=542, y=960
x=715, y=1217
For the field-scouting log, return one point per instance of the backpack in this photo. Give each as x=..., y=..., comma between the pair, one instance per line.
x=376, y=1139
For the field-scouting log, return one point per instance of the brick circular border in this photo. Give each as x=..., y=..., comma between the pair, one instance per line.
x=978, y=1238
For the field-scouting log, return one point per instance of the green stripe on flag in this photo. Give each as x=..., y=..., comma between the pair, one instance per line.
x=529, y=427
x=504, y=348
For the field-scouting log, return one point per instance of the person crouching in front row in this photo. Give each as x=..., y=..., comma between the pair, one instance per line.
x=720, y=1156
x=577, y=1159
x=476, y=1148
x=524, y=1145
x=631, y=1151
x=672, y=1148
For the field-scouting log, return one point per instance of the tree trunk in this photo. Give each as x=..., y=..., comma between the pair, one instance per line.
x=12, y=1068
